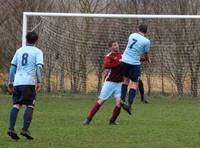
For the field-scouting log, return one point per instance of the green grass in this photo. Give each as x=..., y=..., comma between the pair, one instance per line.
x=167, y=122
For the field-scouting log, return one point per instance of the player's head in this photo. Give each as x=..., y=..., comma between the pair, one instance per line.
x=31, y=37
x=113, y=45
x=142, y=28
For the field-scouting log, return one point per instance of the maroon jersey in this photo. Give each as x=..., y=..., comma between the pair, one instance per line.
x=113, y=64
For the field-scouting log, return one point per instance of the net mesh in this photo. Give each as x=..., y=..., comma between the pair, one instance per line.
x=74, y=48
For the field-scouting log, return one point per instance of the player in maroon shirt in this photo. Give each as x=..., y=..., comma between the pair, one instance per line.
x=112, y=84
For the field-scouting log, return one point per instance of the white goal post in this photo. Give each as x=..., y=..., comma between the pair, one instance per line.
x=146, y=16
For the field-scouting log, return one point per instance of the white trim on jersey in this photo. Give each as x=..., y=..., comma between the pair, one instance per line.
x=108, y=74
x=109, y=54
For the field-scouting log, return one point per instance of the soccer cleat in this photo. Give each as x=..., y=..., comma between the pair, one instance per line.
x=123, y=103
x=126, y=107
x=86, y=121
x=145, y=100
x=26, y=134
x=113, y=122
x=13, y=134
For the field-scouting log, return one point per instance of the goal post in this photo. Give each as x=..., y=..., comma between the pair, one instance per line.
x=75, y=44
x=145, y=16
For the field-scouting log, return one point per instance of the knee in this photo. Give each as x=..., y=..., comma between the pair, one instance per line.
x=100, y=101
x=134, y=85
x=30, y=106
x=118, y=102
x=17, y=106
x=126, y=81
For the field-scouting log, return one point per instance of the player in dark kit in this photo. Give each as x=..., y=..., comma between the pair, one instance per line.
x=141, y=90
x=140, y=82
x=112, y=84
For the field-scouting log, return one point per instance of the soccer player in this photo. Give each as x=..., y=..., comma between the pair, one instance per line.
x=140, y=83
x=137, y=45
x=112, y=84
x=25, y=79
x=141, y=90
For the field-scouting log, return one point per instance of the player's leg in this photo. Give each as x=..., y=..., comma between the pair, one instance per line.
x=117, y=108
x=29, y=96
x=14, y=112
x=141, y=90
x=124, y=88
x=126, y=78
x=116, y=112
x=12, y=121
x=105, y=93
x=134, y=75
x=93, y=111
x=28, y=114
x=132, y=92
x=125, y=73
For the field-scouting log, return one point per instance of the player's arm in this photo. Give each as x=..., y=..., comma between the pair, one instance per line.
x=39, y=73
x=12, y=71
x=110, y=62
x=39, y=70
x=145, y=58
x=146, y=51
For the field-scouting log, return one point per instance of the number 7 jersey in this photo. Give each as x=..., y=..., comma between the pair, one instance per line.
x=25, y=59
x=137, y=45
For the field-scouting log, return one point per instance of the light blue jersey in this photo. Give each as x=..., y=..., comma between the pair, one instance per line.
x=25, y=59
x=137, y=45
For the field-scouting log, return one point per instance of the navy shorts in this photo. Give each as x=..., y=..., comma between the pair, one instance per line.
x=131, y=71
x=24, y=95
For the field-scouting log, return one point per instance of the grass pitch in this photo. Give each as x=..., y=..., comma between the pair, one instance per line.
x=167, y=122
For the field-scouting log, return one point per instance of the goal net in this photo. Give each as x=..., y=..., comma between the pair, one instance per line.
x=74, y=48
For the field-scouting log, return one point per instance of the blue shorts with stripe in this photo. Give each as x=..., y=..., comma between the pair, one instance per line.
x=24, y=95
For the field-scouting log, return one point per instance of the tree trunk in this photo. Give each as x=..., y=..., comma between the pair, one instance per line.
x=179, y=86
x=99, y=77
x=194, y=85
x=148, y=85
x=49, y=80
x=62, y=78
x=162, y=75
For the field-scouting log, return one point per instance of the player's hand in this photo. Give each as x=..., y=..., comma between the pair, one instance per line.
x=38, y=87
x=10, y=88
x=149, y=60
x=145, y=58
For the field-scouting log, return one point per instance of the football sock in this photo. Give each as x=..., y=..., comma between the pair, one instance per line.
x=115, y=113
x=27, y=117
x=93, y=111
x=141, y=89
x=131, y=96
x=123, y=91
x=13, y=117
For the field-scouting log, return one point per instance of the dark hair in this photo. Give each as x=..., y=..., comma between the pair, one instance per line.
x=31, y=37
x=143, y=28
x=111, y=42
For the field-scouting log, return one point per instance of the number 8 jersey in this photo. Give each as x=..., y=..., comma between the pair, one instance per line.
x=137, y=45
x=25, y=59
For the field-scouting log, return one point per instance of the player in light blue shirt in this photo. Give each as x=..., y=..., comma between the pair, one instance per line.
x=25, y=79
x=137, y=45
